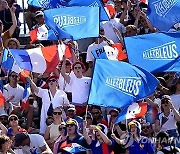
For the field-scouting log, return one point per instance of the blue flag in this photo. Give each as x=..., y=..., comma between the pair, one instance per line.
x=118, y=84
x=49, y=4
x=75, y=22
x=163, y=14
x=7, y=60
x=158, y=52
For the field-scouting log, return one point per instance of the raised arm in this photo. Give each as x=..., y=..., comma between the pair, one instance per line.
x=86, y=136
x=14, y=21
x=33, y=85
x=63, y=71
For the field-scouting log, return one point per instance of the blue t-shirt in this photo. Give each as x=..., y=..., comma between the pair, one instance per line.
x=143, y=146
x=100, y=149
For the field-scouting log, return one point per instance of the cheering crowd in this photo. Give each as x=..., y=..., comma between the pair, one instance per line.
x=57, y=118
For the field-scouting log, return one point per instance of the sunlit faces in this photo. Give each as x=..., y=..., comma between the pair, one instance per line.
x=78, y=70
x=13, y=77
x=52, y=82
x=12, y=45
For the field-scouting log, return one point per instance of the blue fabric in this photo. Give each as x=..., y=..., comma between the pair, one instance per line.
x=157, y=52
x=49, y=4
x=79, y=139
x=119, y=84
x=71, y=23
x=163, y=14
x=7, y=60
x=22, y=58
x=99, y=149
x=143, y=146
x=99, y=53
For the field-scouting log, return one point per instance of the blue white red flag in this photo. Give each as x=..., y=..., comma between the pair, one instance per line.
x=37, y=60
x=112, y=53
x=135, y=110
x=119, y=84
x=42, y=33
x=74, y=148
x=26, y=93
x=157, y=52
x=71, y=23
x=163, y=14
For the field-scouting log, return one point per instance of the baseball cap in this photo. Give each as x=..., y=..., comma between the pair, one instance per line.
x=72, y=122
x=19, y=138
x=71, y=107
x=39, y=13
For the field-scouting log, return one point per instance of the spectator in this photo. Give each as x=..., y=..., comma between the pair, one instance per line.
x=166, y=120
x=164, y=144
x=14, y=126
x=101, y=143
x=14, y=93
x=51, y=98
x=12, y=43
x=4, y=118
x=52, y=131
x=49, y=120
x=62, y=136
x=5, y=145
x=77, y=81
x=71, y=113
x=72, y=137
x=97, y=116
x=8, y=33
x=141, y=144
x=31, y=143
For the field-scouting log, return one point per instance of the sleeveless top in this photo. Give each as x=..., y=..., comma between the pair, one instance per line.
x=54, y=131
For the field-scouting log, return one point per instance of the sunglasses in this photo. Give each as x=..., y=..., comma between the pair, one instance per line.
x=14, y=76
x=54, y=80
x=70, y=125
x=13, y=119
x=57, y=113
x=95, y=113
x=145, y=127
x=77, y=68
x=165, y=102
x=62, y=128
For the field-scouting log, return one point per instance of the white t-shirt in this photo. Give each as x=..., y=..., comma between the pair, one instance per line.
x=108, y=29
x=36, y=142
x=63, y=85
x=169, y=124
x=60, y=98
x=176, y=101
x=89, y=56
x=80, y=89
x=16, y=92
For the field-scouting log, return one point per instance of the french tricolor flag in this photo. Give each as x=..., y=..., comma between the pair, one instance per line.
x=42, y=33
x=38, y=60
x=113, y=52
x=26, y=93
x=135, y=110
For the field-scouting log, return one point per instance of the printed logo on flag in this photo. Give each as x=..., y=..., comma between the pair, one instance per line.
x=67, y=20
x=162, y=7
x=45, y=3
x=166, y=51
x=94, y=4
x=127, y=85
